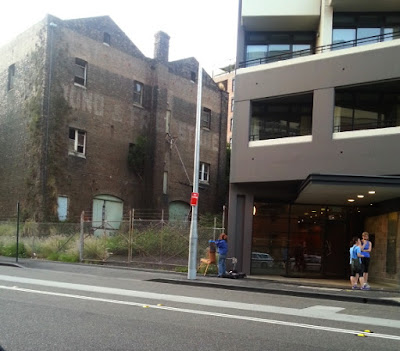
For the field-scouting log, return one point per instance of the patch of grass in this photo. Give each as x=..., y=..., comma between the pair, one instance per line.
x=118, y=244
x=8, y=229
x=181, y=269
x=52, y=256
x=69, y=257
x=96, y=248
x=52, y=246
x=10, y=249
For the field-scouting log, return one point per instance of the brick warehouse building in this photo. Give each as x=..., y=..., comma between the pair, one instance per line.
x=87, y=122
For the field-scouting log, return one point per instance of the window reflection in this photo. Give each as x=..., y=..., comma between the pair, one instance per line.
x=265, y=46
x=368, y=106
x=281, y=117
x=351, y=27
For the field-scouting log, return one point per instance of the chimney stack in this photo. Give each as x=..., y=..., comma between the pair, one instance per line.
x=161, y=47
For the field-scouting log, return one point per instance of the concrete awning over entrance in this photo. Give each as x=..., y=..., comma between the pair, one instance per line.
x=341, y=189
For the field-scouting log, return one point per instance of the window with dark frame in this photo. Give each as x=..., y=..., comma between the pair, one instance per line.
x=11, y=77
x=107, y=38
x=349, y=29
x=193, y=76
x=77, y=142
x=367, y=106
x=281, y=117
x=206, y=118
x=204, y=172
x=138, y=93
x=80, y=72
x=262, y=46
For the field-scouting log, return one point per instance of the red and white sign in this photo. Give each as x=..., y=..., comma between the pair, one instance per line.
x=194, y=199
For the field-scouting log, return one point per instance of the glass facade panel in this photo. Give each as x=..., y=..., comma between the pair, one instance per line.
x=260, y=45
x=367, y=106
x=301, y=47
x=341, y=36
x=388, y=34
x=353, y=26
x=365, y=119
x=254, y=52
x=367, y=32
x=278, y=49
x=281, y=117
x=299, y=239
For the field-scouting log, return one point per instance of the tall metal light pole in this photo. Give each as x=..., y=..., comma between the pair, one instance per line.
x=192, y=263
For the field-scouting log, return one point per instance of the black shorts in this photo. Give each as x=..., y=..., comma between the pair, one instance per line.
x=365, y=262
x=356, y=268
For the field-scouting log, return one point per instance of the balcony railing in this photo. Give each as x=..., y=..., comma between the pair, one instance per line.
x=321, y=49
x=354, y=125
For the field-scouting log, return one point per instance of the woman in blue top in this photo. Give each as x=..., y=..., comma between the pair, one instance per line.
x=366, y=251
x=222, y=246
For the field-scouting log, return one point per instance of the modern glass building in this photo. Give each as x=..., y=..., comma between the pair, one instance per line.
x=316, y=136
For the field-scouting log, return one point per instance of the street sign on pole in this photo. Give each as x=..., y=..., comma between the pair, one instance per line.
x=194, y=199
x=192, y=262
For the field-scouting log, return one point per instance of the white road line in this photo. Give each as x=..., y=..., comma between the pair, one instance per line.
x=308, y=313
x=205, y=313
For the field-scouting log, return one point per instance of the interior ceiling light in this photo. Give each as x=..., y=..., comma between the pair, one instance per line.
x=371, y=192
x=350, y=200
x=360, y=196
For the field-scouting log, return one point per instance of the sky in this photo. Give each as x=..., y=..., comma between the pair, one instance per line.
x=204, y=29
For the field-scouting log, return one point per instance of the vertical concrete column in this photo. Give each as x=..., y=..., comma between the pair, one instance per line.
x=324, y=34
x=322, y=122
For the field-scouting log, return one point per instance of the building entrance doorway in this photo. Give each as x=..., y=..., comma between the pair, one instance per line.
x=335, y=258
x=300, y=240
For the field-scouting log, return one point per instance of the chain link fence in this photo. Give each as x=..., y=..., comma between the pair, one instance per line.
x=139, y=240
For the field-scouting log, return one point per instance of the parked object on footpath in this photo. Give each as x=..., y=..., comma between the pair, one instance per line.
x=366, y=247
x=233, y=273
x=210, y=259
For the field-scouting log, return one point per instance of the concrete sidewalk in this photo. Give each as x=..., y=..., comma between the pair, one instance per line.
x=329, y=289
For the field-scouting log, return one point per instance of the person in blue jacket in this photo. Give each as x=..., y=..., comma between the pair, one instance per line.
x=222, y=247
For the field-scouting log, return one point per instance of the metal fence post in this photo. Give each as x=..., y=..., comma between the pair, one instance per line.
x=162, y=233
x=81, y=239
x=223, y=218
x=215, y=227
x=16, y=254
x=130, y=234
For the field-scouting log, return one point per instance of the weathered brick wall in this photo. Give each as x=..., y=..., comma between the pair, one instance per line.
x=20, y=120
x=179, y=94
x=104, y=109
